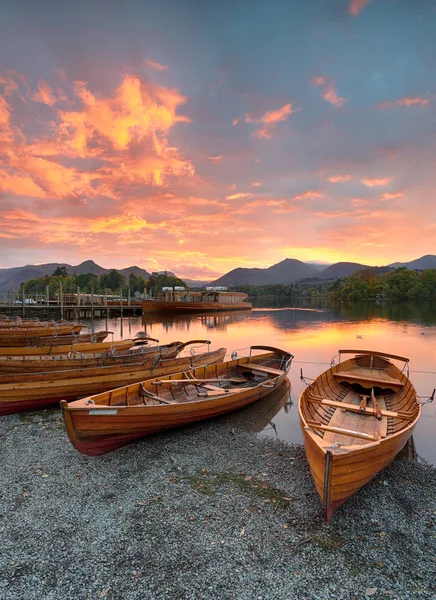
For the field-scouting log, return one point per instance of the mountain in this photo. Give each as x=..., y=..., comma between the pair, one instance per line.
x=136, y=271
x=89, y=266
x=195, y=283
x=287, y=271
x=425, y=262
x=13, y=277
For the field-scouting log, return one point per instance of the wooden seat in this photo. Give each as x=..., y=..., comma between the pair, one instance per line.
x=341, y=431
x=365, y=375
x=356, y=408
x=261, y=369
x=214, y=390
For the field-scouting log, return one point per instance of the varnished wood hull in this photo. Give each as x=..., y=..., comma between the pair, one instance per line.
x=37, y=390
x=78, y=360
x=158, y=306
x=21, y=336
x=95, y=428
x=83, y=347
x=341, y=463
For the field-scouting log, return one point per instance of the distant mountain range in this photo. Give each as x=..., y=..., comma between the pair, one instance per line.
x=13, y=277
x=287, y=271
x=291, y=271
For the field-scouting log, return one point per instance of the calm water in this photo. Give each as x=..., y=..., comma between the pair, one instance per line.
x=313, y=334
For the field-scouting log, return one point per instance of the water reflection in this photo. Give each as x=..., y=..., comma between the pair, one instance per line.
x=313, y=333
x=259, y=416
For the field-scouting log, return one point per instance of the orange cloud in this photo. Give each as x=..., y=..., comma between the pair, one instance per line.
x=310, y=194
x=356, y=6
x=376, y=182
x=316, y=81
x=235, y=122
x=239, y=195
x=215, y=158
x=330, y=94
x=126, y=132
x=338, y=178
x=407, y=101
x=44, y=95
x=270, y=119
x=256, y=184
x=155, y=65
x=392, y=196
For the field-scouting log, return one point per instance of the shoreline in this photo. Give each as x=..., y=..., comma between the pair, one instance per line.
x=208, y=511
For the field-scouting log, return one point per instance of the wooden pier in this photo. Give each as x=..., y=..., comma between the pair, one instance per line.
x=69, y=306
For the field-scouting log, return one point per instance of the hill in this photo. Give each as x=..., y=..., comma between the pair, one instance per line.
x=286, y=271
x=13, y=277
x=425, y=262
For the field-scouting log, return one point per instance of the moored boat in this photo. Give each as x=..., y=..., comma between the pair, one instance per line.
x=355, y=418
x=31, y=391
x=78, y=360
x=104, y=422
x=180, y=300
x=79, y=343
x=21, y=335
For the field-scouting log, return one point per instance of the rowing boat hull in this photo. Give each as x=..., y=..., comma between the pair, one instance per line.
x=95, y=429
x=348, y=472
x=78, y=360
x=39, y=390
x=83, y=347
x=18, y=336
x=341, y=464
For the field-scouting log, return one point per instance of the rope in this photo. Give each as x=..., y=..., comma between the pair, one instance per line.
x=311, y=362
x=314, y=362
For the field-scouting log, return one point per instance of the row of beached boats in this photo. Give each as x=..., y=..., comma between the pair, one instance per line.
x=355, y=417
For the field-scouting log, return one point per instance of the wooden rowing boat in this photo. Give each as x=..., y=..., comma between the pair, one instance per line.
x=107, y=421
x=355, y=418
x=78, y=360
x=31, y=391
x=85, y=345
x=21, y=335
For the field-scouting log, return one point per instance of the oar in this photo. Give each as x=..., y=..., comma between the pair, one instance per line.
x=376, y=406
x=363, y=402
x=199, y=381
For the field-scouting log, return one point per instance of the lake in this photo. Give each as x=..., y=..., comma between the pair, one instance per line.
x=313, y=332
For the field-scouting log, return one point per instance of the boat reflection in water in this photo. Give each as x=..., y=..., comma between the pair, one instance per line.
x=259, y=416
x=208, y=320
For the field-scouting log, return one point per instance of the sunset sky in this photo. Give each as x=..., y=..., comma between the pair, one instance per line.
x=203, y=136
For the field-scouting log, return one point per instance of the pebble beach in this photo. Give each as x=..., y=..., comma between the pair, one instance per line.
x=210, y=511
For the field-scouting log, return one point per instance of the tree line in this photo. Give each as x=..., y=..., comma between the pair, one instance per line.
x=400, y=284
x=113, y=282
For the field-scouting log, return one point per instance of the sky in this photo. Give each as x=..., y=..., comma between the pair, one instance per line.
x=199, y=137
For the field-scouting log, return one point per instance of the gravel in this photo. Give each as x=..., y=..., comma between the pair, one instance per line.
x=208, y=511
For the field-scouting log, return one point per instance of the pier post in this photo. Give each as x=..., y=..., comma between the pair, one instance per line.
x=92, y=309
x=61, y=299
x=78, y=304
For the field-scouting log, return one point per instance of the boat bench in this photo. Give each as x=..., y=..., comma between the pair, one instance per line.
x=214, y=390
x=368, y=375
x=261, y=369
x=356, y=408
x=341, y=431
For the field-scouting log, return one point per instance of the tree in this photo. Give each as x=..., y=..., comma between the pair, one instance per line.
x=112, y=280
x=159, y=280
x=60, y=272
